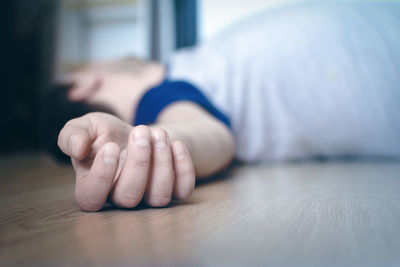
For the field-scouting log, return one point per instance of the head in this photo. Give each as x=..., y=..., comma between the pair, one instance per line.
x=117, y=84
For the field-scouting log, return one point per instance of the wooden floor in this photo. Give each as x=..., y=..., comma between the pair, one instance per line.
x=326, y=214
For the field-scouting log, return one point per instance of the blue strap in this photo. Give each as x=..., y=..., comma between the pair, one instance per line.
x=157, y=98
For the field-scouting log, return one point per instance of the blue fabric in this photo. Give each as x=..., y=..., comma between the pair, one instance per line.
x=157, y=98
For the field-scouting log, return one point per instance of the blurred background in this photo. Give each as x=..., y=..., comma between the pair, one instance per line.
x=46, y=39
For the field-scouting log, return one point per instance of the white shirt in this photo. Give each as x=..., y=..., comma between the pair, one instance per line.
x=311, y=79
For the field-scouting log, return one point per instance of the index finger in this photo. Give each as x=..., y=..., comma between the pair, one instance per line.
x=75, y=138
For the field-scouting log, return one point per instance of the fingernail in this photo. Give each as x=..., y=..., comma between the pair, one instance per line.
x=180, y=151
x=141, y=137
x=110, y=154
x=161, y=141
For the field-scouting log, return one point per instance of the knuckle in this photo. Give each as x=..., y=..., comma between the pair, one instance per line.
x=140, y=160
x=164, y=159
x=92, y=114
x=69, y=123
x=72, y=122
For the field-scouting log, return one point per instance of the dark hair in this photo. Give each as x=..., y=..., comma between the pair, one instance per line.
x=57, y=111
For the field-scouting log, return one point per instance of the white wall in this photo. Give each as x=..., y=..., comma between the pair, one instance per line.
x=97, y=30
x=119, y=31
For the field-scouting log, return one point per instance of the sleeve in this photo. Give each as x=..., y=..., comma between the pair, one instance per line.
x=157, y=98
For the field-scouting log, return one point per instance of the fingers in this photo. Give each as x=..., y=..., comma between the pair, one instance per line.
x=151, y=151
x=153, y=169
x=76, y=138
x=132, y=181
x=91, y=190
x=184, y=171
x=159, y=187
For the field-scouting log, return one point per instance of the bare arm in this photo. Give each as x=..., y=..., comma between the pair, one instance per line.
x=209, y=141
x=153, y=163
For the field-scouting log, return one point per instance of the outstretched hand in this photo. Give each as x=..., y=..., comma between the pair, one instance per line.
x=125, y=164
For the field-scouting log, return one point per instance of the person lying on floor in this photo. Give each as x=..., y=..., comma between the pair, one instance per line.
x=317, y=79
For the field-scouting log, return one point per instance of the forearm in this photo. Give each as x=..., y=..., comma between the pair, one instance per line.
x=209, y=141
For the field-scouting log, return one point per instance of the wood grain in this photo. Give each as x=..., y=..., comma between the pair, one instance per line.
x=326, y=214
